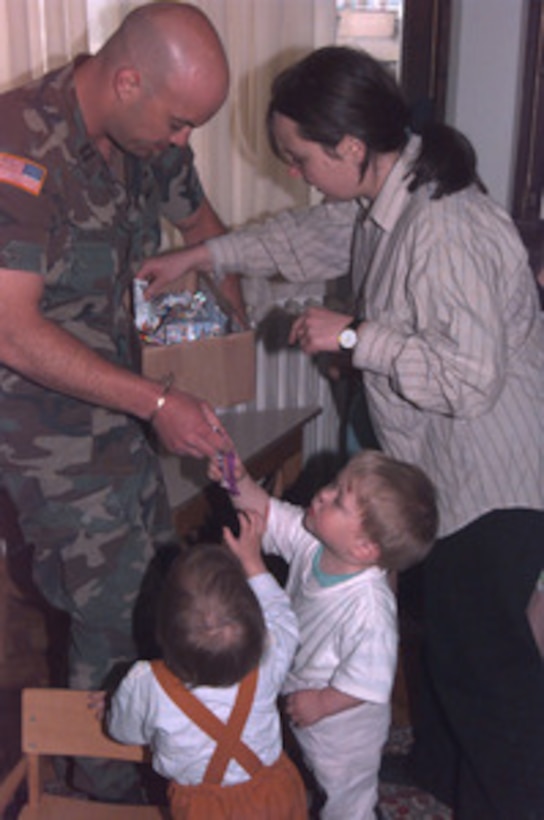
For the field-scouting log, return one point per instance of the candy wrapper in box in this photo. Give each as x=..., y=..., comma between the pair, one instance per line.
x=177, y=317
x=219, y=363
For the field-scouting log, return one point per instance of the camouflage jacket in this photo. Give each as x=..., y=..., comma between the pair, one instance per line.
x=66, y=216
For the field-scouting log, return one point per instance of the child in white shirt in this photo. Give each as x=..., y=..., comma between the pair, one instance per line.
x=208, y=710
x=378, y=516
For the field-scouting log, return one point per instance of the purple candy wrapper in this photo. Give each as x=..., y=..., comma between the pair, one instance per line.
x=227, y=466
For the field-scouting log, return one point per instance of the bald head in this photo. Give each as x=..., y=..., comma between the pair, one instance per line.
x=169, y=43
x=161, y=74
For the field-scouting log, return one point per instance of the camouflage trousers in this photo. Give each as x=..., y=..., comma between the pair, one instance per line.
x=95, y=526
x=96, y=518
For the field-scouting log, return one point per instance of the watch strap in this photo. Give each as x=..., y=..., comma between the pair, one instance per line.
x=354, y=324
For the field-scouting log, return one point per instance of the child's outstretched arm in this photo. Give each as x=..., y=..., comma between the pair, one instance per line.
x=247, y=546
x=245, y=493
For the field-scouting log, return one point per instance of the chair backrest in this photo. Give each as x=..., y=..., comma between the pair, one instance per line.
x=61, y=722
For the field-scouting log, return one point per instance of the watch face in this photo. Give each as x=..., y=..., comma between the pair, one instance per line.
x=348, y=338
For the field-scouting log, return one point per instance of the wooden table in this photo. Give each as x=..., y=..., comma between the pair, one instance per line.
x=269, y=443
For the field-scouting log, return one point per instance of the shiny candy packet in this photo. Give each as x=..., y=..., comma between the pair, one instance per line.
x=146, y=316
x=174, y=332
x=177, y=317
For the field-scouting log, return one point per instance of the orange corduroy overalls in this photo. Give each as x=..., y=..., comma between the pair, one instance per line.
x=273, y=792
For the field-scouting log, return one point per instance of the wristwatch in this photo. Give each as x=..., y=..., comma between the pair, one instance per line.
x=347, y=338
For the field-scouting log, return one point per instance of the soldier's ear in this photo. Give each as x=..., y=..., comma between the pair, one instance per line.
x=127, y=83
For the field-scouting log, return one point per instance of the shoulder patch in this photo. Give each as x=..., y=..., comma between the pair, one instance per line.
x=22, y=173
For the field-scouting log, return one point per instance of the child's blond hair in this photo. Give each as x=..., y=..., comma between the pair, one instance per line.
x=398, y=507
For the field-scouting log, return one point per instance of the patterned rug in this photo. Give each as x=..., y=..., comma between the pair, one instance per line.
x=407, y=802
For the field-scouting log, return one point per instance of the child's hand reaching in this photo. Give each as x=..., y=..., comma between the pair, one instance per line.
x=247, y=546
x=246, y=494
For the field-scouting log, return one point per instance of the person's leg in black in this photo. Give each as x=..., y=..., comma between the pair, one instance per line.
x=484, y=664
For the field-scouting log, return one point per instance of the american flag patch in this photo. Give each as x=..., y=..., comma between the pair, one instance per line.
x=22, y=173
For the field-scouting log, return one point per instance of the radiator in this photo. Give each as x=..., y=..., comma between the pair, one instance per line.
x=286, y=377
x=289, y=378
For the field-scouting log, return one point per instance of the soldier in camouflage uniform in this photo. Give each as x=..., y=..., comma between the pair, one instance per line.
x=90, y=156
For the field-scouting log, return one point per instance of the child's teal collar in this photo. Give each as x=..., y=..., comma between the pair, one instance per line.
x=324, y=579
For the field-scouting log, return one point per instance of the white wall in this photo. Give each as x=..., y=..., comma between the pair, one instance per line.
x=484, y=84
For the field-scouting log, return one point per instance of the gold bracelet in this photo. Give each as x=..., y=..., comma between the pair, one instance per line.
x=161, y=401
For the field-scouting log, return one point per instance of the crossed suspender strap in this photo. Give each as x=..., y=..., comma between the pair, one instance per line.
x=227, y=735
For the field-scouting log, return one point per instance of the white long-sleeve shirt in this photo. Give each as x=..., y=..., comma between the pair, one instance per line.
x=142, y=713
x=452, y=349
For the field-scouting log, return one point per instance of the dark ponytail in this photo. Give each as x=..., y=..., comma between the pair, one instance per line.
x=447, y=161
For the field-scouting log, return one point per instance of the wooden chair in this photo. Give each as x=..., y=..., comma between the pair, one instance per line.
x=59, y=722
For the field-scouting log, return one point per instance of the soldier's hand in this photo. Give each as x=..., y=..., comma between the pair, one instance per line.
x=187, y=425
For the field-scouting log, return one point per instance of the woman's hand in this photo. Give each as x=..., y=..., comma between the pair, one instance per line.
x=317, y=330
x=173, y=270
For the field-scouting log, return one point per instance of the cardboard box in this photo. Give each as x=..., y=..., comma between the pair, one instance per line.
x=220, y=369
